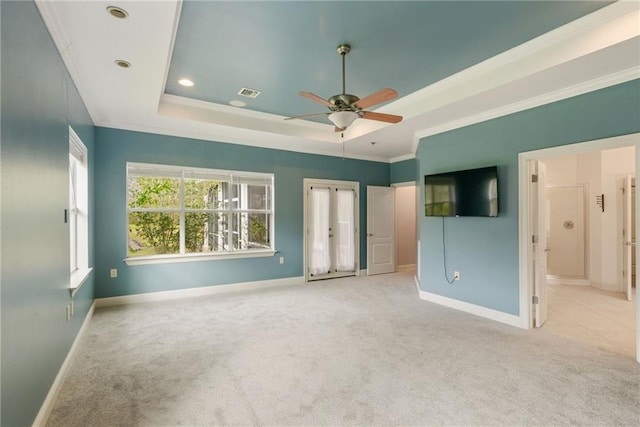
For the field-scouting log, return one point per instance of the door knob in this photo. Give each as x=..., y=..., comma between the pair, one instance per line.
x=370, y=234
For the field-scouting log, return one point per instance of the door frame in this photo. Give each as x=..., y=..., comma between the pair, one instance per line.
x=356, y=214
x=524, y=215
x=370, y=252
x=626, y=224
x=586, y=279
x=395, y=186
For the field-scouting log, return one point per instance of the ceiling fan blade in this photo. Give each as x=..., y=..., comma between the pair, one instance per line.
x=316, y=98
x=307, y=115
x=376, y=98
x=381, y=117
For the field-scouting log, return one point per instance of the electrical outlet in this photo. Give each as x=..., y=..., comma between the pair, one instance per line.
x=456, y=275
x=113, y=272
x=281, y=260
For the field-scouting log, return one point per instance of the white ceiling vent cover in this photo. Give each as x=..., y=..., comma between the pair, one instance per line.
x=249, y=93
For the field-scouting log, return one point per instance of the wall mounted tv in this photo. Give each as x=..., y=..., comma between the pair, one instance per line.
x=472, y=192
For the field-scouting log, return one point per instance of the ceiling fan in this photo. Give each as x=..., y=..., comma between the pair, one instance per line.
x=344, y=108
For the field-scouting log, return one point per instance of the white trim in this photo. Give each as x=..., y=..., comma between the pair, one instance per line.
x=402, y=158
x=197, y=292
x=404, y=184
x=406, y=267
x=536, y=101
x=524, y=160
x=47, y=405
x=56, y=28
x=363, y=272
x=172, y=43
x=78, y=278
x=168, y=259
x=558, y=280
x=353, y=185
x=477, y=310
x=557, y=46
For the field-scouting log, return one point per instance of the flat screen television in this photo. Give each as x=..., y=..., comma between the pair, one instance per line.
x=472, y=192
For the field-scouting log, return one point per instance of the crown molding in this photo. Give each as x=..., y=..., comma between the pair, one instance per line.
x=599, y=23
x=273, y=142
x=56, y=29
x=547, y=98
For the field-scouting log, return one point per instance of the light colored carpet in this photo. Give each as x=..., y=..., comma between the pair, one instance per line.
x=356, y=351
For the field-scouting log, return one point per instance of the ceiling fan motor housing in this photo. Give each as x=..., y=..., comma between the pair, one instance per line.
x=344, y=101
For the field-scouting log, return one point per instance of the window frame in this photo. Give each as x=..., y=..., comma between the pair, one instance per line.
x=182, y=173
x=78, y=213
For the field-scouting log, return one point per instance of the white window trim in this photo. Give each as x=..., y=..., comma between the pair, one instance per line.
x=78, y=277
x=80, y=274
x=166, y=259
x=207, y=256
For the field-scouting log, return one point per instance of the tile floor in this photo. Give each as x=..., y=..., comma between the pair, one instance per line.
x=602, y=318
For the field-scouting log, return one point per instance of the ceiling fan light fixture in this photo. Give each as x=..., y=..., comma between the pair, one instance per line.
x=343, y=119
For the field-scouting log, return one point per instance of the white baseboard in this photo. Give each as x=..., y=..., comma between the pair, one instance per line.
x=487, y=313
x=405, y=267
x=197, y=292
x=552, y=280
x=47, y=405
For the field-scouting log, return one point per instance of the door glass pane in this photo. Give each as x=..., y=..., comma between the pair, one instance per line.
x=319, y=255
x=345, y=231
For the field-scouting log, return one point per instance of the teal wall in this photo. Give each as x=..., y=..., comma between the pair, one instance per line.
x=116, y=147
x=485, y=250
x=404, y=171
x=39, y=101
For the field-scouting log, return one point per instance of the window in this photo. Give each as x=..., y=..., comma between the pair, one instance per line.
x=78, y=212
x=178, y=212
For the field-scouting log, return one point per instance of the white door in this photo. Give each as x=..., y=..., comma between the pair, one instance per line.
x=566, y=231
x=540, y=244
x=331, y=229
x=628, y=234
x=380, y=230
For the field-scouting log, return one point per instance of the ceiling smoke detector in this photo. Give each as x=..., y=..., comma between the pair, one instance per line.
x=117, y=12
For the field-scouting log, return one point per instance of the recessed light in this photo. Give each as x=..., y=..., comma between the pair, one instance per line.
x=117, y=12
x=122, y=63
x=238, y=103
x=185, y=82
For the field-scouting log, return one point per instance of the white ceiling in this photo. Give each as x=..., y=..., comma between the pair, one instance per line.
x=598, y=50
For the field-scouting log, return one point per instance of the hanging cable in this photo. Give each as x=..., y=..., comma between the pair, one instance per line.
x=342, y=134
x=444, y=256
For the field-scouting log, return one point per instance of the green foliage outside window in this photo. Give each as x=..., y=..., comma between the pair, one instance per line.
x=155, y=209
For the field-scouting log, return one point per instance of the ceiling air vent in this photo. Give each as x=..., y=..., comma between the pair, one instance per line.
x=249, y=93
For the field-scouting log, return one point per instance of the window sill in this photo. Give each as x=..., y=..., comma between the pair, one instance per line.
x=78, y=278
x=166, y=259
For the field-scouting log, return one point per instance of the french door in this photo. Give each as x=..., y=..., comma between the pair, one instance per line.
x=331, y=229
